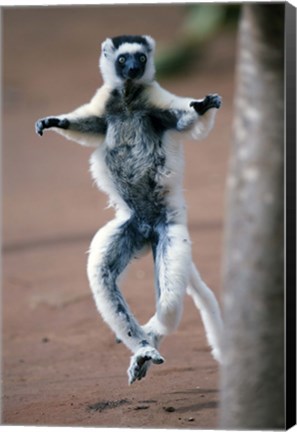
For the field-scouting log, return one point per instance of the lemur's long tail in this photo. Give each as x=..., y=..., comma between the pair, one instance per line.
x=208, y=306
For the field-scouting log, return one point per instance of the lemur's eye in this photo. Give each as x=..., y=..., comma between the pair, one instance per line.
x=142, y=58
x=121, y=59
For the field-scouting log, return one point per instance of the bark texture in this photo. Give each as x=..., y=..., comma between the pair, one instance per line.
x=252, y=376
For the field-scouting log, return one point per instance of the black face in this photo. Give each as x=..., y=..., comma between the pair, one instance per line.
x=131, y=66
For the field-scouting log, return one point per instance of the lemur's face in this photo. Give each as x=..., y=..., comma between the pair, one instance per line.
x=127, y=58
x=131, y=65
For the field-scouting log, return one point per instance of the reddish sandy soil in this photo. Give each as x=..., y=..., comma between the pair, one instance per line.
x=61, y=365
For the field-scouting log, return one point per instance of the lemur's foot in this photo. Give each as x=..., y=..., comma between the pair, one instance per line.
x=49, y=122
x=141, y=361
x=210, y=101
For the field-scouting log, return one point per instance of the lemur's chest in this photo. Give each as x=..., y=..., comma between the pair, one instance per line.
x=133, y=146
x=127, y=114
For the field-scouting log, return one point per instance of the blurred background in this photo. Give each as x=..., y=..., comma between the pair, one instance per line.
x=59, y=359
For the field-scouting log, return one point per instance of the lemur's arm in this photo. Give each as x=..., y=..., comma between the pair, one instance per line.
x=171, y=112
x=85, y=125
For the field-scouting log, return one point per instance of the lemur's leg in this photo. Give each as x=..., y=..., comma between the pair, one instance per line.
x=86, y=125
x=111, y=250
x=172, y=256
x=185, y=115
x=172, y=253
x=206, y=302
x=87, y=130
x=91, y=124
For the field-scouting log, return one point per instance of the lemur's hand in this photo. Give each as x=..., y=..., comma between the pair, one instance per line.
x=49, y=122
x=203, y=105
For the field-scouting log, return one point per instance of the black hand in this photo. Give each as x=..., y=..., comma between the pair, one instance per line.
x=210, y=101
x=49, y=122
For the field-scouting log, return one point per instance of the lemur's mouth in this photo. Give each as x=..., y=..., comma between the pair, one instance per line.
x=133, y=73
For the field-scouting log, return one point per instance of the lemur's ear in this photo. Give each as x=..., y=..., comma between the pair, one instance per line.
x=107, y=47
x=151, y=42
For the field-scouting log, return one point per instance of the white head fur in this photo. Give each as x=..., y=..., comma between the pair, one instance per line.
x=111, y=51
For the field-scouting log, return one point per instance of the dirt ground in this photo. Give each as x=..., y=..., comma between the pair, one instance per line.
x=60, y=363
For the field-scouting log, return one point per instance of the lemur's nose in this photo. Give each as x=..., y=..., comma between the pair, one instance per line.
x=133, y=71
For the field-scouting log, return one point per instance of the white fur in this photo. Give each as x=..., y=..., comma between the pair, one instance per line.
x=109, y=55
x=97, y=251
x=164, y=99
x=206, y=302
x=177, y=272
x=104, y=181
x=94, y=107
x=173, y=279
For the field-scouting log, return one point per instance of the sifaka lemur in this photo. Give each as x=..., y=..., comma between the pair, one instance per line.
x=136, y=126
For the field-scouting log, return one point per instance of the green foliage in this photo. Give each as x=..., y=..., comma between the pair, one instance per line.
x=202, y=23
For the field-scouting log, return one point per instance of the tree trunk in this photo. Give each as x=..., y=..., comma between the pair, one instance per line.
x=252, y=376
